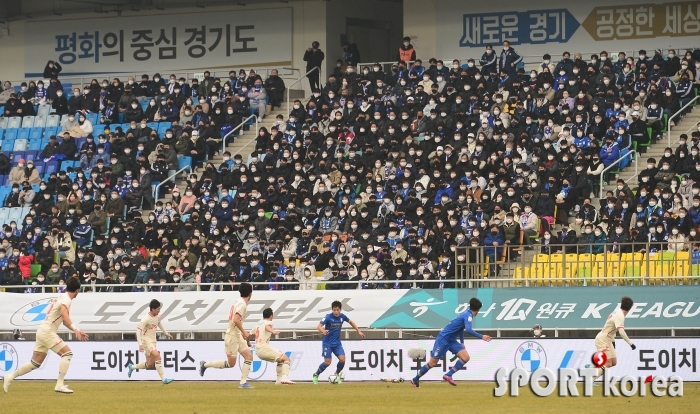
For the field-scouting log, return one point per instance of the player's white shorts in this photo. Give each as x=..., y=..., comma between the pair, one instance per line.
x=235, y=344
x=148, y=347
x=268, y=353
x=601, y=342
x=47, y=339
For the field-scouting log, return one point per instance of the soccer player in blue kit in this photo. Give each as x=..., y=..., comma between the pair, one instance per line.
x=330, y=327
x=447, y=341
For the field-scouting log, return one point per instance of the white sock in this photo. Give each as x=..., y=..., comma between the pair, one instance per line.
x=63, y=368
x=598, y=373
x=279, y=371
x=217, y=364
x=140, y=365
x=159, y=368
x=23, y=370
x=285, y=370
x=245, y=370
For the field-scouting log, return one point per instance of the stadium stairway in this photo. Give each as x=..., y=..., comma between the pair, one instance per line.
x=655, y=150
x=243, y=144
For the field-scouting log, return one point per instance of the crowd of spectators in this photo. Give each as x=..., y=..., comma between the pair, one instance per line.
x=379, y=177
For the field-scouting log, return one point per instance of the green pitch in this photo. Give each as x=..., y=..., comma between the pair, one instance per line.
x=367, y=397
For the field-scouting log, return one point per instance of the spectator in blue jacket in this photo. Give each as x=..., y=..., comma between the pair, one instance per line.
x=610, y=151
x=565, y=64
x=493, y=247
x=82, y=232
x=600, y=239
x=488, y=61
x=509, y=60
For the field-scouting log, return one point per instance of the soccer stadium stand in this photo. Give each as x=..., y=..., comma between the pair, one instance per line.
x=433, y=174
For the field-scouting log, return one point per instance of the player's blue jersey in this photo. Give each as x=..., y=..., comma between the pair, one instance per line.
x=333, y=325
x=457, y=326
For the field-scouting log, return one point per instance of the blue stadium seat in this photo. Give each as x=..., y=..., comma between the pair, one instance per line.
x=24, y=133
x=16, y=156
x=4, y=191
x=35, y=145
x=162, y=129
x=39, y=165
x=65, y=165
x=7, y=146
x=93, y=118
x=98, y=130
x=11, y=134
x=36, y=133
x=121, y=117
x=51, y=167
x=153, y=125
x=68, y=85
x=31, y=156
x=50, y=131
x=183, y=161
x=144, y=105
x=2, y=134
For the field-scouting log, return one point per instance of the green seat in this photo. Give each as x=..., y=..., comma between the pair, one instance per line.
x=36, y=269
x=268, y=215
x=665, y=122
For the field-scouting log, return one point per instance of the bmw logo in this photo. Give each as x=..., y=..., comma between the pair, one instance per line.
x=530, y=356
x=257, y=370
x=8, y=357
x=32, y=313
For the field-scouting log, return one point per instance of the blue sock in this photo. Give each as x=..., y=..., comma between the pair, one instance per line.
x=455, y=368
x=339, y=367
x=424, y=370
x=321, y=368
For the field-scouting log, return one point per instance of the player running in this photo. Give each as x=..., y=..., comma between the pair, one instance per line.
x=330, y=326
x=237, y=339
x=46, y=338
x=605, y=340
x=447, y=341
x=146, y=337
x=267, y=353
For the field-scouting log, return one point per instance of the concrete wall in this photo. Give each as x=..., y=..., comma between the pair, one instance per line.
x=419, y=23
x=308, y=24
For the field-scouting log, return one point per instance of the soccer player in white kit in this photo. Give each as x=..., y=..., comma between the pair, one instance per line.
x=46, y=338
x=263, y=332
x=605, y=340
x=146, y=337
x=237, y=339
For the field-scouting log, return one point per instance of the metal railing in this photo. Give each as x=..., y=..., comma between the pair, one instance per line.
x=634, y=159
x=580, y=264
x=241, y=125
x=529, y=60
x=188, y=75
x=170, y=178
x=670, y=119
x=318, y=68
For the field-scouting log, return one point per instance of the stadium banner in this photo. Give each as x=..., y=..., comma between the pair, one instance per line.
x=368, y=360
x=196, y=311
x=587, y=27
x=504, y=308
x=151, y=44
x=564, y=307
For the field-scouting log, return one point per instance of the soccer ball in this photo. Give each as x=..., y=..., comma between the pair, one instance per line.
x=334, y=379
